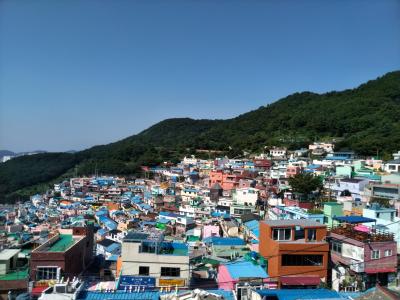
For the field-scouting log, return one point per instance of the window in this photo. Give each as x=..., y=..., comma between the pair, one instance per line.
x=170, y=272
x=375, y=254
x=337, y=247
x=311, y=234
x=388, y=252
x=301, y=260
x=282, y=234
x=144, y=271
x=46, y=273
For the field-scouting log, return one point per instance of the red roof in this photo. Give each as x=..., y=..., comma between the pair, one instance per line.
x=300, y=280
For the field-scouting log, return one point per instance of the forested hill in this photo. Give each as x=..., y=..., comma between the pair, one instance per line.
x=365, y=119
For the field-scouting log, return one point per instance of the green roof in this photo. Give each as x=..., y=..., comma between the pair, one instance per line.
x=62, y=244
x=332, y=203
x=192, y=238
x=15, y=275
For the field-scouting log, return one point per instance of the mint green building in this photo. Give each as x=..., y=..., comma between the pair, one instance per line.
x=331, y=210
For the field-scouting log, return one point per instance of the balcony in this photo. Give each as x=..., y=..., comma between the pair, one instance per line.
x=373, y=236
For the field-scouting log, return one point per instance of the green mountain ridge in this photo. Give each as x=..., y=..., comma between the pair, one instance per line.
x=365, y=119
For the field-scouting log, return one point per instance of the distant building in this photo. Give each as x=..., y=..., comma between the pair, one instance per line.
x=227, y=180
x=277, y=152
x=325, y=147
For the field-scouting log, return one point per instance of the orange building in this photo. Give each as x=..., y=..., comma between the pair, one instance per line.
x=296, y=251
x=228, y=181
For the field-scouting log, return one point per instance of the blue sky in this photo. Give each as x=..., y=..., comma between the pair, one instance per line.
x=74, y=74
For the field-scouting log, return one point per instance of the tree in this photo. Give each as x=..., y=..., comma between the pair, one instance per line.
x=305, y=183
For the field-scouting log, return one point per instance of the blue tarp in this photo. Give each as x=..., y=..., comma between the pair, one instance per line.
x=221, y=241
x=295, y=294
x=354, y=219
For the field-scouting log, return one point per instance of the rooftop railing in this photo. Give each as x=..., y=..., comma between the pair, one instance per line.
x=375, y=235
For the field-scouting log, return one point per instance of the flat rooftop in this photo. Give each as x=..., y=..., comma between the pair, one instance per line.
x=299, y=222
x=140, y=236
x=63, y=242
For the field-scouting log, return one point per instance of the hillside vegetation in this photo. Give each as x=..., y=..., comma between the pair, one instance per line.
x=365, y=119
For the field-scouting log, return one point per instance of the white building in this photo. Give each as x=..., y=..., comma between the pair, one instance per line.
x=277, y=152
x=246, y=196
x=147, y=254
x=392, y=166
x=327, y=147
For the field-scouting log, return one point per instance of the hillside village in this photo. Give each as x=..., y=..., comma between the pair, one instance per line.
x=225, y=228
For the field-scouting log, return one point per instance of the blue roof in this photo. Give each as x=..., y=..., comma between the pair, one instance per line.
x=168, y=214
x=223, y=241
x=215, y=214
x=102, y=231
x=113, y=258
x=101, y=212
x=254, y=227
x=142, y=295
x=145, y=206
x=113, y=247
x=120, y=295
x=110, y=224
x=297, y=294
x=245, y=269
x=313, y=166
x=163, y=221
x=354, y=219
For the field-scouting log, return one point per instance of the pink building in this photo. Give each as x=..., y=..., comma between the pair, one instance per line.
x=292, y=171
x=210, y=230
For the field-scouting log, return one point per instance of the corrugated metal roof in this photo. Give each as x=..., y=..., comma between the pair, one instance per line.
x=246, y=269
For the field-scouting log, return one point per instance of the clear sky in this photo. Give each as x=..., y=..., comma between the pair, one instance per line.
x=75, y=73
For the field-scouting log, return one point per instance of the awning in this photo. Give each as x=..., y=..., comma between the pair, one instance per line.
x=300, y=280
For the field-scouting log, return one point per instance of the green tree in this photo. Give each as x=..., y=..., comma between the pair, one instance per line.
x=305, y=183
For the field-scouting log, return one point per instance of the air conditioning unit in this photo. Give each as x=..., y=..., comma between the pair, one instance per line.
x=60, y=288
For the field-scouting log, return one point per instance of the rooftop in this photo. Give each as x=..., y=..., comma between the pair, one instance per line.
x=140, y=236
x=64, y=242
x=287, y=223
x=374, y=236
x=295, y=294
x=352, y=180
x=246, y=269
